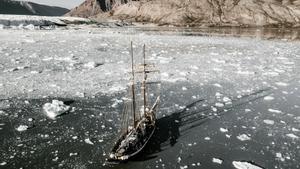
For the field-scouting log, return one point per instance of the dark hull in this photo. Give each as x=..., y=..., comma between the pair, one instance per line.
x=134, y=149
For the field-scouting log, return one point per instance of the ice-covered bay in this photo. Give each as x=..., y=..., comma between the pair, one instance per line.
x=249, y=89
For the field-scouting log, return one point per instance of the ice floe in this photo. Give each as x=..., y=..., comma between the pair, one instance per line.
x=217, y=160
x=274, y=111
x=22, y=128
x=91, y=65
x=293, y=136
x=243, y=137
x=244, y=165
x=226, y=99
x=184, y=167
x=3, y=163
x=283, y=84
x=217, y=85
x=270, y=122
x=56, y=108
x=219, y=104
x=279, y=156
x=88, y=141
x=207, y=138
x=223, y=130
x=268, y=98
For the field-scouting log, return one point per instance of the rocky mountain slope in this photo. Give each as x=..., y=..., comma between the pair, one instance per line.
x=196, y=12
x=29, y=8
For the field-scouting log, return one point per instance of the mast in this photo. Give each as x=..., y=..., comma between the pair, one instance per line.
x=145, y=77
x=132, y=86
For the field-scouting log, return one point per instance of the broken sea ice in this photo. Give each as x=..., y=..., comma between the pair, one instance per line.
x=55, y=108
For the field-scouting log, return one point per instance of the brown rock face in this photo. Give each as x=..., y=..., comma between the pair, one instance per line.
x=197, y=12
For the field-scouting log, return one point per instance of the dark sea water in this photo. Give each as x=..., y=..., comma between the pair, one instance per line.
x=189, y=134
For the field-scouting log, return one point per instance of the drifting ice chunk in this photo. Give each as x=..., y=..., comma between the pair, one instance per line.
x=293, y=136
x=270, y=122
x=217, y=85
x=184, y=167
x=226, y=99
x=223, y=130
x=91, y=65
x=216, y=160
x=244, y=165
x=55, y=108
x=274, y=111
x=88, y=141
x=283, y=84
x=22, y=128
x=3, y=163
x=295, y=129
x=243, y=137
x=268, y=98
x=219, y=104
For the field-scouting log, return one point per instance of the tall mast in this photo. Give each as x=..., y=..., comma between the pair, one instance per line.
x=132, y=86
x=145, y=77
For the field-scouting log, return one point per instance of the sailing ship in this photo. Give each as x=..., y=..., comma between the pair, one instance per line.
x=139, y=115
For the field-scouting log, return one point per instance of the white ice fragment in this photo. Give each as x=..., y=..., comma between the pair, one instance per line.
x=218, y=94
x=88, y=141
x=29, y=41
x=207, y=138
x=283, y=84
x=274, y=111
x=178, y=159
x=214, y=109
x=243, y=137
x=195, y=67
x=3, y=163
x=164, y=74
x=184, y=88
x=217, y=160
x=271, y=74
x=247, y=110
x=90, y=65
x=226, y=99
x=80, y=94
x=22, y=128
x=268, y=98
x=293, y=136
x=244, y=165
x=55, y=108
x=245, y=72
x=279, y=156
x=55, y=159
x=184, y=167
x=270, y=122
x=219, y=104
x=217, y=85
x=295, y=129
x=223, y=130
x=73, y=154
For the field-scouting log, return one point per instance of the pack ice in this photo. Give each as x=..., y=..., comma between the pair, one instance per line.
x=55, y=108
